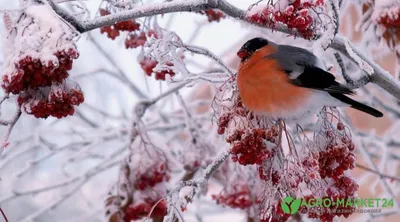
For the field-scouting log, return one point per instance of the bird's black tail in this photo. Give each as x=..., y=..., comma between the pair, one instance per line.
x=357, y=105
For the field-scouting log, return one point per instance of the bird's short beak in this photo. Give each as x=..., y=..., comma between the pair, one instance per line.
x=243, y=54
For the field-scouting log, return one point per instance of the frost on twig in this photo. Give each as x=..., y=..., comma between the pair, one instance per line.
x=331, y=29
x=363, y=64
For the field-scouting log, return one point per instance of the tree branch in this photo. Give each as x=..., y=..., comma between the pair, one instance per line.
x=379, y=76
x=377, y=172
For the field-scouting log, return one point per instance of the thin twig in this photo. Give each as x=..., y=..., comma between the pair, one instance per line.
x=4, y=215
x=381, y=175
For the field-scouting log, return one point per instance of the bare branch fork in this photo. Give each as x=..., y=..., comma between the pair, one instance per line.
x=377, y=74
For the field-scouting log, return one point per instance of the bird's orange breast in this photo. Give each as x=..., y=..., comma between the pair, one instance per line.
x=265, y=88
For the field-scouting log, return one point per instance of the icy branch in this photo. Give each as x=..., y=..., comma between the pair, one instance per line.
x=196, y=184
x=206, y=52
x=141, y=107
x=379, y=76
x=10, y=125
x=377, y=172
x=352, y=84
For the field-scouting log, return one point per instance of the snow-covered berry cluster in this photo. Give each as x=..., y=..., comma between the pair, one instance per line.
x=235, y=196
x=38, y=56
x=148, y=66
x=296, y=15
x=237, y=110
x=156, y=174
x=331, y=162
x=344, y=188
x=31, y=73
x=386, y=13
x=59, y=101
x=384, y=18
x=142, y=184
x=250, y=146
x=135, y=37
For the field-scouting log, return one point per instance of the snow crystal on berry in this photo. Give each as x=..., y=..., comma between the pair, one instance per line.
x=148, y=65
x=296, y=15
x=58, y=101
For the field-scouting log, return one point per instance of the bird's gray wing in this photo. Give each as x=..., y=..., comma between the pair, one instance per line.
x=304, y=70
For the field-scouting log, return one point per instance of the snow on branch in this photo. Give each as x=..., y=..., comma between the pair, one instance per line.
x=379, y=75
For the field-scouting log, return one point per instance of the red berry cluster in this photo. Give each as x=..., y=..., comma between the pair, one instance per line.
x=213, y=15
x=238, y=197
x=223, y=122
x=274, y=176
x=336, y=158
x=152, y=176
x=57, y=104
x=249, y=145
x=140, y=210
x=295, y=16
x=33, y=72
x=134, y=38
x=149, y=64
x=390, y=19
x=311, y=166
x=113, y=31
x=343, y=188
x=237, y=111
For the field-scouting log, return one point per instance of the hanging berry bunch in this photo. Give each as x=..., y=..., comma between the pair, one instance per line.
x=236, y=196
x=161, y=55
x=241, y=187
x=114, y=31
x=57, y=101
x=385, y=19
x=297, y=15
x=322, y=169
x=148, y=65
x=251, y=139
x=142, y=183
x=38, y=56
x=335, y=159
x=136, y=36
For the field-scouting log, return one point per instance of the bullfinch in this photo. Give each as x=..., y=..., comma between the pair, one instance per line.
x=287, y=82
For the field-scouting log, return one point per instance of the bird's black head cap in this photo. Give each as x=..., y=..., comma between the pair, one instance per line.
x=250, y=47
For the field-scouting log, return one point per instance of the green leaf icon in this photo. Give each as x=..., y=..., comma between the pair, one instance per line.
x=290, y=205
